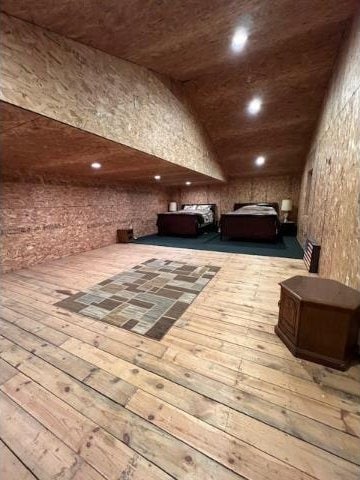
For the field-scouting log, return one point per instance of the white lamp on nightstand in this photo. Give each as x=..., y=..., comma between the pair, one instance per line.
x=286, y=207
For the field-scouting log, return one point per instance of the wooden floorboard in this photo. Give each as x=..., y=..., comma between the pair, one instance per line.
x=219, y=397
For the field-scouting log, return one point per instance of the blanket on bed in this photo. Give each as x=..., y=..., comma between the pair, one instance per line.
x=260, y=210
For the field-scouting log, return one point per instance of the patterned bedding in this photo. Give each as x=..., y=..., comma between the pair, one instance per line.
x=204, y=216
x=260, y=210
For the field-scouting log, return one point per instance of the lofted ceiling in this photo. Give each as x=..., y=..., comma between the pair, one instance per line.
x=287, y=61
x=39, y=146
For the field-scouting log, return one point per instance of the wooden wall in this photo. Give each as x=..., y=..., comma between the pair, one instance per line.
x=93, y=91
x=40, y=222
x=330, y=208
x=249, y=189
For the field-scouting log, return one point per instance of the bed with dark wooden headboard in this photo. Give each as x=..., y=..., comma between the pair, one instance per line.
x=190, y=220
x=251, y=221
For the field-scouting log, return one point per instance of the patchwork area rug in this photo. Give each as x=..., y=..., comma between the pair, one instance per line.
x=148, y=299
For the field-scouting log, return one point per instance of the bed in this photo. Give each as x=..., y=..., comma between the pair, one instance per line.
x=251, y=221
x=190, y=220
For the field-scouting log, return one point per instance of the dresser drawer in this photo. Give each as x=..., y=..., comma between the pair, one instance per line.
x=288, y=314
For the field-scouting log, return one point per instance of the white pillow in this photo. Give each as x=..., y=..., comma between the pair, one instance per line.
x=190, y=207
x=203, y=207
x=248, y=207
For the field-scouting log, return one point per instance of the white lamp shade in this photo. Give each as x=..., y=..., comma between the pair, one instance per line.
x=172, y=207
x=286, y=205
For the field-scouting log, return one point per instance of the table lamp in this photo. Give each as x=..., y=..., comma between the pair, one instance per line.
x=286, y=207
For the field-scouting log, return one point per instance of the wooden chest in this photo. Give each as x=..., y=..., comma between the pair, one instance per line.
x=319, y=320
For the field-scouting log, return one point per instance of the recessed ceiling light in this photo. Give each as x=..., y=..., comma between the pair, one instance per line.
x=187, y=183
x=96, y=165
x=239, y=39
x=260, y=161
x=254, y=106
x=157, y=177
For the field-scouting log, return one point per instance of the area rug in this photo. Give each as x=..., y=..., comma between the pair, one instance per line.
x=148, y=299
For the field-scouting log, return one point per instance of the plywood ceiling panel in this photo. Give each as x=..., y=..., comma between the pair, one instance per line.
x=40, y=146
x=83, y=87
x=288, y=60
x=196, y=33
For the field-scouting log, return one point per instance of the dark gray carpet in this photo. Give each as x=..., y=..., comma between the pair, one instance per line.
x=286, y=247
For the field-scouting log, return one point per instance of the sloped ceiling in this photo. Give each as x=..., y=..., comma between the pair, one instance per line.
x=287, y=61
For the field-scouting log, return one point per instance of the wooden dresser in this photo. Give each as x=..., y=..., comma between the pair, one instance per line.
x=319, y=320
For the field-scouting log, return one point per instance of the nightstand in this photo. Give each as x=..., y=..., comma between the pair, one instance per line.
x=125, y=235
x=288, y=229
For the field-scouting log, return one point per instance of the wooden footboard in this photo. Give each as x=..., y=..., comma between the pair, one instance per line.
x=178, y=224
x=264, y=228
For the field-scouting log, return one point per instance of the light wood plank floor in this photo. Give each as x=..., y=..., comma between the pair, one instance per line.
x=220, y=397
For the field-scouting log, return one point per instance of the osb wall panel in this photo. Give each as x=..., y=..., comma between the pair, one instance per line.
x=40, y=222
x=88, y=89
x=252, y=189
x=333, y=214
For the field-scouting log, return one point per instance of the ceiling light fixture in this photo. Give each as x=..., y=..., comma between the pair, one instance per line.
x=157, y=177
x=188, y=183
x=96, y=165
x=260, y=161
x=254, y=106
x=239, y=40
